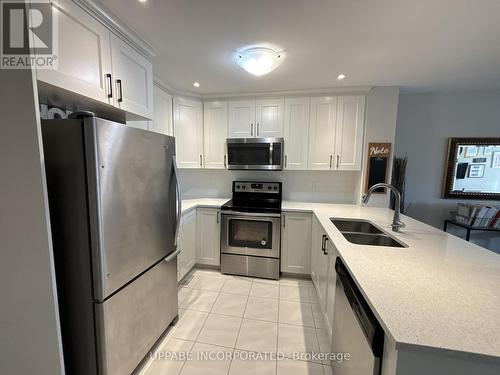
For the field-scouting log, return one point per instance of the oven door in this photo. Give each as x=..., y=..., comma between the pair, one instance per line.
x=255, y=153
x=251, y=234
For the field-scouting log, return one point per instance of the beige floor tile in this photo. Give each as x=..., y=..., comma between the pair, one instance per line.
x=297, y=313
x=291, y=367
x=257, y=336
x=265, y=290
x=189, y=325
x=220, y=330
x=230, y=304
x=313, y=295
x=182, y=293
x=200, y=365
x=168, y=358
x=252, y=363
x=208, y=282
x=294, y=293
x=296, y=339
x=262, y=309
x=237, y=286
x=200, y=300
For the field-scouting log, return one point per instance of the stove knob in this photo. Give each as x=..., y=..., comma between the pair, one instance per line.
x=269, y=188
x=237, y=186
x=275, y=188
x=243, y=187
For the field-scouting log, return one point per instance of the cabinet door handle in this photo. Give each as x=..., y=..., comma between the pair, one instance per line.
x=120, y=90
x=338, y=160
x=110, y=83
x=284, y=221
x=323, y=243
x=326, y=248
x=225, y=162
x=251, y=130
x=258, y=129
x=286, y=159
x=331, y=157
x=218, y=212
x=201, y=160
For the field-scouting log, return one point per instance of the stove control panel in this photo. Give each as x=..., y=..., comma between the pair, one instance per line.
x=256, y=187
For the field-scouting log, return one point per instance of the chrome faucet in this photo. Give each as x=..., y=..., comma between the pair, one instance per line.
x=396, y=221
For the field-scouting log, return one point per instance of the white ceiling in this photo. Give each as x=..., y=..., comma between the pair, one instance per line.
x=420, y=45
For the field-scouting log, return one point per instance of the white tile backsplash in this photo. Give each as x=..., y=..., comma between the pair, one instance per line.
x=309, y=186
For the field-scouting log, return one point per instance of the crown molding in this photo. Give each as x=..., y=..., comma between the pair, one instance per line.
x=112, y=22
x=355, y=90
x=169, y=89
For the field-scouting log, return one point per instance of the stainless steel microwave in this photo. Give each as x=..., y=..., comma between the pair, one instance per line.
x=255, y=153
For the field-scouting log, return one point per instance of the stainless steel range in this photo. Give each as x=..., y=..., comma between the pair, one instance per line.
x=251, y=230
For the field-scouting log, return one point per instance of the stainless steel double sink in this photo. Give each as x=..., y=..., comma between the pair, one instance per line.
x=362, y=232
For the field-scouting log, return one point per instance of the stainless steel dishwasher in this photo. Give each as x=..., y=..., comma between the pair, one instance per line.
x=355, y=329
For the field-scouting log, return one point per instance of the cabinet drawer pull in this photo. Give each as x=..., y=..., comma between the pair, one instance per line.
x=120, y=90
x=201, y=160
x=338, y=159
x=251, y=130
x=110, y=83
x=331, y=157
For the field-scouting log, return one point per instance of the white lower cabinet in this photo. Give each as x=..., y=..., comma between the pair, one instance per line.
x=187, y=244
x=296, y=243
x=331, y=282
x=319, y=261
x=208, y=235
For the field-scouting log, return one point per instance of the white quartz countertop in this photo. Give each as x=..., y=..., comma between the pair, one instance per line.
x=440, y=292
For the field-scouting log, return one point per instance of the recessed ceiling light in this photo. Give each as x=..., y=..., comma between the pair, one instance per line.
x=341, y=77
x=142, y=1
x=196, y=84
x=259, y=60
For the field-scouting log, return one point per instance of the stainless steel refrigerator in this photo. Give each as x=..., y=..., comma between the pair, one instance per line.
x=115, y=210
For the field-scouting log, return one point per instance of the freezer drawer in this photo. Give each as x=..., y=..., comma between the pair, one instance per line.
x=131, y=321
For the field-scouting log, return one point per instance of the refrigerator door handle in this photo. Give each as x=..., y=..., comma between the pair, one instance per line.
x=179, y=202
x=172, y=256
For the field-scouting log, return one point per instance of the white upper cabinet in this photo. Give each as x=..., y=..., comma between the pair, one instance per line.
x=215, y=134
x=208, y=234
x=322, y=132
x=84, y=54
x=242, y=119
x=133, y=79
x=296, y=241
x=162, y=112
x=269, y=118
x=188, y=131
x=349, y=133
x=262, y=118
x=296, y=132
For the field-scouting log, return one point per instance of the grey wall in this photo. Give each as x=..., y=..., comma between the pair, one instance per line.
x=424, y=124
x=29, y=324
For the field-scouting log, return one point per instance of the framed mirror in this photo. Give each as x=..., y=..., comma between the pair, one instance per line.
x=473, y=169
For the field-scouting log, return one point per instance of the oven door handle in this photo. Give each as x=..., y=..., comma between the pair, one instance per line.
x=250, y=214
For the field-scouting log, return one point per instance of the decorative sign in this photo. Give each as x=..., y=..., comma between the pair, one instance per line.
x=378, y=164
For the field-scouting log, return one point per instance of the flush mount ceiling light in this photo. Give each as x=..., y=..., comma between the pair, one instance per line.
x=259, y=60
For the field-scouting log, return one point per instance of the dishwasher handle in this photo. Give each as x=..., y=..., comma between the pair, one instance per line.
x=369, y=324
